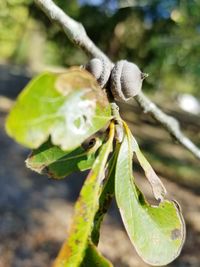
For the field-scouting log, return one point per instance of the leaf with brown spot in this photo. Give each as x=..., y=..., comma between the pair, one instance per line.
x=85, y=210
x=69, y=107
x=157, y=232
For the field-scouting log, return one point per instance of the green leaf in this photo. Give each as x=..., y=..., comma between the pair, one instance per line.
x=51, y=160
x=73, y=250
x=105, y=198
x=157, y=186
x=157, y=232
x=93, y=258
x=69, y=107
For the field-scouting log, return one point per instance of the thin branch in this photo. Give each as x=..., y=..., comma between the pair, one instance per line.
x=77, y=34
x=168, y=122
x=73, y=29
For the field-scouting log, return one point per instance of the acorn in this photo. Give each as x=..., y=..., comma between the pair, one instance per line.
x=100, y=69
x=126, y=80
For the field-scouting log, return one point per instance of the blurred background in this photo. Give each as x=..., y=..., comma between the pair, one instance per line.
x=163, y=38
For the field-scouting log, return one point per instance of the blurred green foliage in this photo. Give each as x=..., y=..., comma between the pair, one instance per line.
x=161, y=36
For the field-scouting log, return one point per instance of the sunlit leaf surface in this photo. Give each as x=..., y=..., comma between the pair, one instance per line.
x=69, y=107
x=92, y=256
x=157, y=232
x=73, y=250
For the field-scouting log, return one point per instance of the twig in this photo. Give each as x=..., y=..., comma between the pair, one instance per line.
x=77, y=34
x=168, y=122
x=73, y=29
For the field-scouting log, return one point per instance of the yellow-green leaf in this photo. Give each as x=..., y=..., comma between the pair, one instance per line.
x=69, y=107
x=73, y=250
x=93, y=258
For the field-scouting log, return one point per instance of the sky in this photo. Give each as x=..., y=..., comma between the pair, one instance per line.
x=164, y=7
x=91, y=2
x=112, y=4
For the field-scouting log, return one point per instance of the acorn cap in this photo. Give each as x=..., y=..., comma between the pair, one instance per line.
x=126, y=80
x=100, y=69
x=94, y=66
